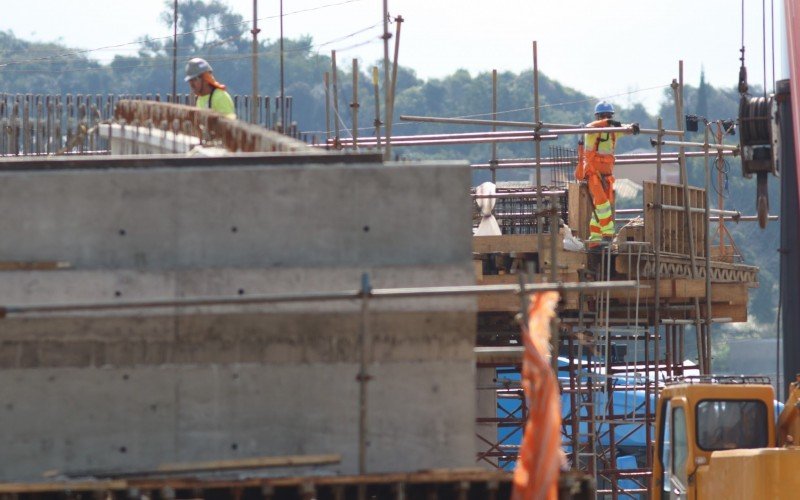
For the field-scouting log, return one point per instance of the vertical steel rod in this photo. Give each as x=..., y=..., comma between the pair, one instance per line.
x=283, y=95
x=255, y=31
x=354, y=104
x=175, y=52
x=335, y=102
x=326, y=79
x=538, y=148
x=377, y=107
x=657, y=249
x=363, y=376
x=494, y=126
x=677, y=89
x=386, y=35
x=392, y=89
x=707, y=337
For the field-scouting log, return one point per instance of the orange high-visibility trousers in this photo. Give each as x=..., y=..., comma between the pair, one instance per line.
x=598, y=173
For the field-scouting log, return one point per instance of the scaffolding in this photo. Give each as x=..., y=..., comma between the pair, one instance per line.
x=615, y=347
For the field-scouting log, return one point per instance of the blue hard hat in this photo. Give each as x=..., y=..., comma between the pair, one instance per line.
x=604, y=107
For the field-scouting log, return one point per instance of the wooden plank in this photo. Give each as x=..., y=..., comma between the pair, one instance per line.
x=477, y=265
x=722, y=253
x=499, y=279
x=510, y=302
x=505, y=243
x=571, y=261
x=679, y=288
x=732, y=293
x=33, y=266
x=499, y=303
x=61, y=486
x=688, y=288
x=210, y=466
x=579, y=206
x=251, y=463
x=737, y=312
x=208, y=484
x=499, y=355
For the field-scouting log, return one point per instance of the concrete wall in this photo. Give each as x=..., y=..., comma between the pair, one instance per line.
x=132, y=389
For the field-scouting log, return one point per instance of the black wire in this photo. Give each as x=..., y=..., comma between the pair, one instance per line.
x=167, y=60
x=724, y=170
x=84, y=51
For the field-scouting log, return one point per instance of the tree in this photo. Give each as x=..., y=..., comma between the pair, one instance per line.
x=203, y=26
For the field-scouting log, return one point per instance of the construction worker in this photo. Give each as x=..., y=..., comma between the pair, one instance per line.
x=596, y=167
x=210, y=93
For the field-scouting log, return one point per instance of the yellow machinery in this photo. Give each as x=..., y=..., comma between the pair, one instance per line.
x=716, y=438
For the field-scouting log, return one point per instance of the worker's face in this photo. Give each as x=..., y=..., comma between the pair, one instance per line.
x=196, y=84
x=602, y=116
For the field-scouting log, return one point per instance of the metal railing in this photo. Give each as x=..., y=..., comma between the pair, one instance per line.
x=41, y=124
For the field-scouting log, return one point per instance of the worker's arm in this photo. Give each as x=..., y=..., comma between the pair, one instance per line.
x=608, y=122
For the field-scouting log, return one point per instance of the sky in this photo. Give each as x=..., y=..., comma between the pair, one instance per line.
x=626, y=51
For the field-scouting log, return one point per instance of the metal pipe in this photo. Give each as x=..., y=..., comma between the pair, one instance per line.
x=530, y=136
x=657, y=249
x=382, y=293
x=553, y=252
x=326, y=79
x=554, y=164
x=354, y=105
x=677, y=89
x=363, y=376
x=336, y=138
x=255, y=31
x=718, y=147
x=377, y=122
x=283, y=95
x=453, y=141
x=494, y=126
x=746, y=218
x=175, y=52
x=393, y=87
x=507, y=123
x=680, y=208
x=537, y=149
x=519, y=195
x=707, y=337
x=386, y=81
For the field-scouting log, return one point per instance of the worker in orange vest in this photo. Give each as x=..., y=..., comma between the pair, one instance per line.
x=596, y=167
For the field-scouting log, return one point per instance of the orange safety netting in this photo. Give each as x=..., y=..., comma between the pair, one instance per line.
x=540, y=457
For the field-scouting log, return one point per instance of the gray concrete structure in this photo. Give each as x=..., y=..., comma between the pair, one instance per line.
x=88, y=391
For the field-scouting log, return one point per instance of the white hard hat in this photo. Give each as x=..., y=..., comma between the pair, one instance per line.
x=196, y=67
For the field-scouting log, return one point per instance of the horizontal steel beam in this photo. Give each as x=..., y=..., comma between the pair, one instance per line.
x=505, y=123
x=380, y=293
x=686, y=144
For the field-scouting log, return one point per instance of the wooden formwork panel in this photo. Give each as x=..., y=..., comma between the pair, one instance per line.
x=510, y=302
x=674, y=237
x=579, y=205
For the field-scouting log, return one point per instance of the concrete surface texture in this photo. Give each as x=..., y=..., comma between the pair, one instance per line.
x=83, y=392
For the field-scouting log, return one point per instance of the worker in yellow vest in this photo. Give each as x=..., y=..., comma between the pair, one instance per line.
x=596, y=167
x=210, y=93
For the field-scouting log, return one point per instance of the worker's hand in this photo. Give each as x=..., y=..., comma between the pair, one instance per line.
x=614, y=123
x=635, y=128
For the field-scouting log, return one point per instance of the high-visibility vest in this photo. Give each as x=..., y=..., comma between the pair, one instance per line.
x=601, y=142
